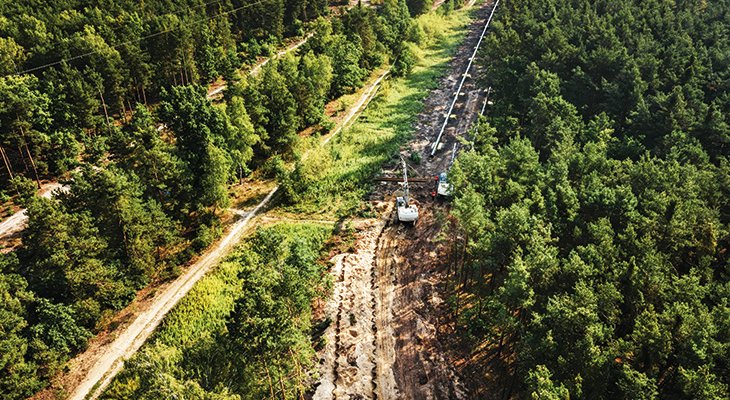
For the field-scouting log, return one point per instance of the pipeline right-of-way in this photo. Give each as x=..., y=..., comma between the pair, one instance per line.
x=463, y=78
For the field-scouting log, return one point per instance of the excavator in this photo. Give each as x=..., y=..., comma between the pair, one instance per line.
x=443, y=187
x=406, y=212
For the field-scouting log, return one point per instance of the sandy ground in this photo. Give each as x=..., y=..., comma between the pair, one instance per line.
x=386, y=339
x=350, y=352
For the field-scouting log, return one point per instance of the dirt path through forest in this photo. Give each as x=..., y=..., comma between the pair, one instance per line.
x=380, y=339
x=111, y=357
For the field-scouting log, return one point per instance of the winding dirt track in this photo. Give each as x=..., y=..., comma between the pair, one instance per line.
x=383, y=341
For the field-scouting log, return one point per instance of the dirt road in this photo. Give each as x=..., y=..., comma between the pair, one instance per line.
x=132, y=338
x=387, y=304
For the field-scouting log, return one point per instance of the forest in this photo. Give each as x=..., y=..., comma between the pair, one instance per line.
x=593, y=206
x=112, y=101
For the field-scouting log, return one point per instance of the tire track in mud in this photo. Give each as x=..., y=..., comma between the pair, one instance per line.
x=351, y=362
x=384, y=278
x=423, y=368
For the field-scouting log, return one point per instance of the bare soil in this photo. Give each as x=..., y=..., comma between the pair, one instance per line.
x=350, y=356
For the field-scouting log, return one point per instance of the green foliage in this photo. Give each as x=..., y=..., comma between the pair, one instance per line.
x=652, y=68
x=117, y=59
x=24, y=120
x=137, y=230
x=11, y=55
x=273, y=108
x=18, y=374
x=200, y=130
x=405, y=62
x=158, y=181
x=415, y=157
x=139, y=149
x=593, y=204
x=417, y=7
x=242, y=136
x=311, y=88
x=58, y=328
x=332, y=180
x=64, y=257
x=159, y=377
x=544, y=388
x=346, y=65
x=25, y=189
x=258, y=302
x=257, y=317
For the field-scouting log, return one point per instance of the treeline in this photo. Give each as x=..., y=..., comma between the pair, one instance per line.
x=255, y=341
x=150, y=187
x=593, y=207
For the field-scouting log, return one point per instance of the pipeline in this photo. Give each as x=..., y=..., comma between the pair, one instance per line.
x=463, y=78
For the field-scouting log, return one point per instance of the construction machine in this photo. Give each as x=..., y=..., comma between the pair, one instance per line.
x=444, y=187
x=406, y=212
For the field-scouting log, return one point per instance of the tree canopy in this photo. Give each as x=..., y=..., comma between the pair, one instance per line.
x=594, y=203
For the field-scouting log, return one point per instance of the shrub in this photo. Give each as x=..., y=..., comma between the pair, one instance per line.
x=407, y=59
x=415, y=157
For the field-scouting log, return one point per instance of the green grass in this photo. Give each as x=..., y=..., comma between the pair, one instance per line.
x=337, y=176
